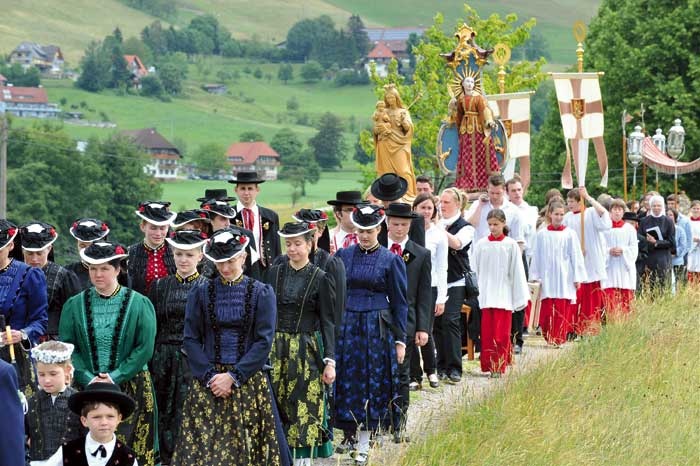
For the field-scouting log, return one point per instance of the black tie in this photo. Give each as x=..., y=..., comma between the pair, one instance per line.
x=101, y=450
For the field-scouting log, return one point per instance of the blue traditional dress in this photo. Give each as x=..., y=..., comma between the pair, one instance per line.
x=367, y=381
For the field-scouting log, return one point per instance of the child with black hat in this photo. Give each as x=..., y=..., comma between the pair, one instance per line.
x=101, y=407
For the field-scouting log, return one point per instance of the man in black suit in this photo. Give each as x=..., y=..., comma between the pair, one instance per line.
x=419, y=294
x=264, y=223
x=389, y=188
x=12, y=428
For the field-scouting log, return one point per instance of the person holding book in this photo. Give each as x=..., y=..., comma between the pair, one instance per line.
x=661, y=234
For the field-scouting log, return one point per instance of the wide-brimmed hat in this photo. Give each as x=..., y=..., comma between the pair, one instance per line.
x=187, y=239
x=246, y=177
x=8, y=231
x=368, y=216
x=37, y=236
x=156, y=212
x=101, y=252
x=400, y=209
x=218, y=194
x=218, y=207
x=292, y=229
x=347, y=198
x=89, y=230
x=310, y=216
x=630, y=216
x=192, y=215
x=225, y=244
x=102, y=392
x=389, y=187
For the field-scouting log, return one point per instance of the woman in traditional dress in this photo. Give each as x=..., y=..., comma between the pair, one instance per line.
x=86, y=231
x=171, y=374
x=37, y=240
x=229, y=416
x=392, y=140
x=23, y=306
x=372, y=337
x=303, y=351
x=113, y=329
x=477, y=152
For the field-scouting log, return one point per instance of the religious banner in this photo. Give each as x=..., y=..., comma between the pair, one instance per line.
x=581, y=110
x=513, y=110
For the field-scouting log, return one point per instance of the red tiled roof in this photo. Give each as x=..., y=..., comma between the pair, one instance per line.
x=139, y=64
x=380, y=51
x=248, y=152
x=3, y=79
x=32, y=95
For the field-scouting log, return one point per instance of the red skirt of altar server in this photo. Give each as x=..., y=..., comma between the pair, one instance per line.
x=617, y=301
x=589, y=299
x=474, y=166
x=694, y=277
x=495, y=339
x=556, y=319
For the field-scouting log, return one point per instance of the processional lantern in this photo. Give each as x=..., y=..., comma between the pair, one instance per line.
x=634, y=154
x=676, y=148
x=659, y=140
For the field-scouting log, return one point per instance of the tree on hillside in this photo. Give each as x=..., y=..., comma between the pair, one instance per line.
x=308, y=36
x=359, y=40
x=285, y=72
x=300, y=169
x=155, y=38
x=250, y=136
x=210, y=158
x=95, y=69
x=151, y=86
x=286, y=143
x=121, y=76
x=135, y=46
x=171, y=77
x=328, y=144
x=311, y=71
x=18, y=76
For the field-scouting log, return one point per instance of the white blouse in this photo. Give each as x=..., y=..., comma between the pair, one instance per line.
x=436, y=243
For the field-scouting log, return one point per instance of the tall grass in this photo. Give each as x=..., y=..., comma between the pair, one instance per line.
x=630, y=396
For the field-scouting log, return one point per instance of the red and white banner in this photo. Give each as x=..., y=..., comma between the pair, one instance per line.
x=513, y=109
x=581, y=111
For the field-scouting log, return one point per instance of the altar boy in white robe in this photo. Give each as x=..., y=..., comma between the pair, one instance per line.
x=621, y=271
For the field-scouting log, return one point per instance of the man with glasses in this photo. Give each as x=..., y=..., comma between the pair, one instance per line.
x=343, y=234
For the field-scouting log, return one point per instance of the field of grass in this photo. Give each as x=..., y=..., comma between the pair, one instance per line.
x=273, y=194
x=627, y=397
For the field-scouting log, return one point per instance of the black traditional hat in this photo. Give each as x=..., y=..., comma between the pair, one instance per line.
x=101, y=252
x=310, y=216
x=218, y=207
x=37, y=236
x=630, y=216
x=8, y=231
x=187, y=239
x=218, y=194
x=400, y=209
x=89, y=230
x=156, y=212
x=225, y=244
x=187, y=216
x=243, y=177
x=347, y=198
x=389, y=187
x=102, y=392
x=368, y=216
x=292, y=229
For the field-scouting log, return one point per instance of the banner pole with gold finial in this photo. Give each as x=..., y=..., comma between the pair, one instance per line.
x=580, y=36
x=501, y=55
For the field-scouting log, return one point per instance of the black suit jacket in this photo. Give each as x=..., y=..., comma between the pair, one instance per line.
x=416, y=232
x=419, y=292
x=270, y=242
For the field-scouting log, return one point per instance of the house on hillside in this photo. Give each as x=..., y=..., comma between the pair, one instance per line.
x=254, y=156
x=165, y=157
x=29, y=102
x=218, y=89
x=135, y=67
x=389, y=43
x=380, y=55
x=48, y=58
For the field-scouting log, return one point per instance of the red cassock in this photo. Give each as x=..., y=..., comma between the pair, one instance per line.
x=618, y=301
x=495, y=339
x=555, y=319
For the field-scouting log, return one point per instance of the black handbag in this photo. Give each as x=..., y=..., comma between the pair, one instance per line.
x=471, y=287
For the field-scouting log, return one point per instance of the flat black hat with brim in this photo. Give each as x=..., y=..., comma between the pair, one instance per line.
x=293, y=229
x=156, y=212
x=368, y=216
x=347, y=198
x=630, y=216
x=102, y=392
x=187, y=239
x=101, y=252
x=225, y=244
x=246, y=178
x=218, y=207
x=89, y=230
x=218, y=194
x=389, y=187
x=37, y=236
x=187, y=216
x=400, y=209
x=8, y=231
x=310, y=216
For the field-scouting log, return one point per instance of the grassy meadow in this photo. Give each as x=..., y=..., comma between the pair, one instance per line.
x=630, y=396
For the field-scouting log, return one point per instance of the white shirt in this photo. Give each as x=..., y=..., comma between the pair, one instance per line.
x=694, y=253
x=465, y=235
x=501, y=274
x=90, y=446
x=436, y=243
x=621, y=271
x=390, y=242
x=513, y=220
x=338, y=235
x=256, y=222
x=557, y=263
x=528, y=217
x=595, y=249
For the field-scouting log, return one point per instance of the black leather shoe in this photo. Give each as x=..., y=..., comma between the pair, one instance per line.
x=401, y=438
x=518, y=349
x=455, y=377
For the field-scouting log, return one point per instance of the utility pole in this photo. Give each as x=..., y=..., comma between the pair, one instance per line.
x=3, y=163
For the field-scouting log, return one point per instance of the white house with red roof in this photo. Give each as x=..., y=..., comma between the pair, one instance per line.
x=389, y=43
x=29, y=102
x=254, y=156
x=136, y=67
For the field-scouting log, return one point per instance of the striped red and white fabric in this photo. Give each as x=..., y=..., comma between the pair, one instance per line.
x=659, y=161
x=514, y=110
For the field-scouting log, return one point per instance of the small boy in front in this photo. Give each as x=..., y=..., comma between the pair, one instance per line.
x=101, y=406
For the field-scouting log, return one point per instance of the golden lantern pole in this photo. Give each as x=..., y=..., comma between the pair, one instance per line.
x=501, y=55
x=624, y=155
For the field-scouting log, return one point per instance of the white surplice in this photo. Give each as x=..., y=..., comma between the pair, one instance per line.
x=595, y=251
x=557, y=263
x=501, y=274
x=621, y=270
x=694, y=253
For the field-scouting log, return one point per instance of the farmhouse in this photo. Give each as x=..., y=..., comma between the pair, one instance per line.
x=254, y=156
x=165, y=157
x=48, y=58
x=27, y=102
x=389, y=43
